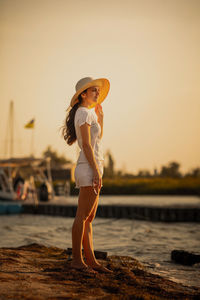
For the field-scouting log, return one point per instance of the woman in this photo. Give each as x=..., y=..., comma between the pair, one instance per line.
x=86, y=126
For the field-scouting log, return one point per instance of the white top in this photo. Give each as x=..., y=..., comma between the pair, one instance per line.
x=86, y=115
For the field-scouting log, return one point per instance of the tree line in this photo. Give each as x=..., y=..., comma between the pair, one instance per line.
x=172, y=169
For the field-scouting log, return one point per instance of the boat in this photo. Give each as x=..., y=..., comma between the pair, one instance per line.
x=24, y=179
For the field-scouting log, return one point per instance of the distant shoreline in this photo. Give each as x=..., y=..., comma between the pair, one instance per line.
x=148, y=186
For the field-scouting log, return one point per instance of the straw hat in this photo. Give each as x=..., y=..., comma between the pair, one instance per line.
x=88, y=82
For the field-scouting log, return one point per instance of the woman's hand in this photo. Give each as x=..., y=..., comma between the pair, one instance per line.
x=96, y=181
x=99, y=112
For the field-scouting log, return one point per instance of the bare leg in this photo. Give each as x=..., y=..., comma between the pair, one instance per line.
x=88, y=243
x=88, y=237
x=77, y=233
x=86, y=203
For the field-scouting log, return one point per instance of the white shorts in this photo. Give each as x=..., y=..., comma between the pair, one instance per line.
x=84, y=174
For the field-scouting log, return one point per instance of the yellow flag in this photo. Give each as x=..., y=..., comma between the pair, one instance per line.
x=30, y=124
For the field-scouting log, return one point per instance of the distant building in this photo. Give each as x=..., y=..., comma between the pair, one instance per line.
x=155, y=172
x=64, y=173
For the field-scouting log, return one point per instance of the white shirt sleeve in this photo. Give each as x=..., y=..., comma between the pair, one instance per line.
x=84, y=117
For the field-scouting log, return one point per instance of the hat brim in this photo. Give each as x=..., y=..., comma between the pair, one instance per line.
x=104, y=85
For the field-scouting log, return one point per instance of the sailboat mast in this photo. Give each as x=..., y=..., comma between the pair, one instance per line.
x=9, y=139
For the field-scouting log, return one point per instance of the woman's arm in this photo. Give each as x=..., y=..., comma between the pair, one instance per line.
x=101, y=124
x=100, y=115
x=89, y=153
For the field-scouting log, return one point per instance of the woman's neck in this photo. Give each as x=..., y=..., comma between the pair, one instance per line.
x=84, y=105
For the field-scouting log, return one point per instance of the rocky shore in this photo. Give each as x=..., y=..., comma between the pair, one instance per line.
x=36, y=272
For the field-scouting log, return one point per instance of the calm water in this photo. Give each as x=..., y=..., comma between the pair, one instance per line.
x=149, y=242
x=172, y=201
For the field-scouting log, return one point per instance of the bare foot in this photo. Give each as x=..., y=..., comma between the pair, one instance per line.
x=100, y=268
x=78, y=265
x=83, y=268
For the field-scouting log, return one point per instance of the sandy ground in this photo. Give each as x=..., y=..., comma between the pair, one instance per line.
x=38, y=272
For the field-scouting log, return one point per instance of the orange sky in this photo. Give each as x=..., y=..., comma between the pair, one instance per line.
x=149, y=50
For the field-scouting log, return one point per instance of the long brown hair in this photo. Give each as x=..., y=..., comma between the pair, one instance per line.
x=69, y=132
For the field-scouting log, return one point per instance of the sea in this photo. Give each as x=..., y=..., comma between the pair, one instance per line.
x=149, y=242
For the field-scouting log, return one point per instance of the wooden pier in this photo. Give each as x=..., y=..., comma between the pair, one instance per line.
x=148, y=213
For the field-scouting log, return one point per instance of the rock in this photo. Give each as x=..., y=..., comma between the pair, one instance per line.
x=184, y=257
x=37, y=272
x=98, y=254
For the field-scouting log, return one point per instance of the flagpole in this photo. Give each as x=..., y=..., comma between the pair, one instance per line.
x=31, y=125
x=32, y=142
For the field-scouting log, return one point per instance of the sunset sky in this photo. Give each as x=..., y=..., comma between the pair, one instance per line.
x=148, y=49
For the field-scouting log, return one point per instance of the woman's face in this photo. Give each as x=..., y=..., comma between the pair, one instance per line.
x=91, y=95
